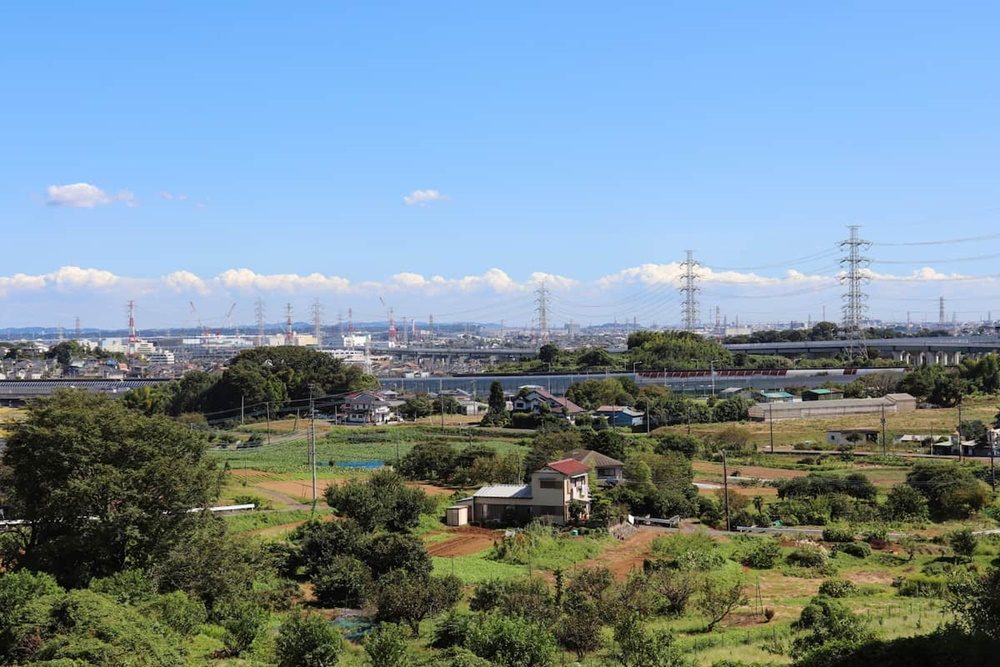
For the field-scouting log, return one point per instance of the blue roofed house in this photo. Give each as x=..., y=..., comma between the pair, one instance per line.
x=620, y=415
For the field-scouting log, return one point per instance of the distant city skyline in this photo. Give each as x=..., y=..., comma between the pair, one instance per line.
x=445, y=158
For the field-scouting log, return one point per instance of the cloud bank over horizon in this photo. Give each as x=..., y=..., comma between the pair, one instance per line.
x=647, y=292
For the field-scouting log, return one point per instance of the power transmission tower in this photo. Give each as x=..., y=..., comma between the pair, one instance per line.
x=689, y=289
x=79, y=332
x=289, y=333
x=941, y=317
x=542, y=308
x=258, y=311
x=317, y=313
x=854, y=298
x=133, y=337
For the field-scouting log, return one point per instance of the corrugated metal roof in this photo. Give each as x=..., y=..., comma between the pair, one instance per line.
x=504, y=491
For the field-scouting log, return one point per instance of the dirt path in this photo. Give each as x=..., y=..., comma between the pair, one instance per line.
x=467, y=541
x=758, y=472
x=624, y=557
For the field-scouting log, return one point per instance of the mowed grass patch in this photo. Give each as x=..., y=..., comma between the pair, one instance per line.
x=477, y=567
x=545, y=548
x=344, y=445
x=251, y=521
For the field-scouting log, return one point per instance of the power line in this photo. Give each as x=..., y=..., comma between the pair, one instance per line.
x=967, y=239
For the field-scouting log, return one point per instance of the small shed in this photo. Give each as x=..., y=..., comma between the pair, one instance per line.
x=822, y=394
x=457, y=515
x=773, y=397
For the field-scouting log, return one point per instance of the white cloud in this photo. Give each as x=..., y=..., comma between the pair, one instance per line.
x=172, y=196
x=182, y=281
x=673, y=274
x=246, y=279
x=925, y=273
x=85, y=195
x=423, y=197
x=64, y=278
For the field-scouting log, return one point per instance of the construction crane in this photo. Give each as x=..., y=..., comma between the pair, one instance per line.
x=229, y=317
x=194, y=311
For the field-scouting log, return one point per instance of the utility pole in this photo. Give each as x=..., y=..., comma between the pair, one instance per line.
x=647, y=418
x=725, y=488
x=312, y=446
x=267, y=416
x=960, y=453
x=770, y=421
x=441, y=398
x=854, y=279
x=993, y=473
x=689, y=289
x=885, y=448
x=243, y=400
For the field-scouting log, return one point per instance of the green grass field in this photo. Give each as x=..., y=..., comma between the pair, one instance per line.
x=347, y=444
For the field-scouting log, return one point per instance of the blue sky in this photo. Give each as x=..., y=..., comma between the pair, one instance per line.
x=572, y=140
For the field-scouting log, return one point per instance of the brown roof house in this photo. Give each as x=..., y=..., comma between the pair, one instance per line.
x=609, y=471
x=532, y=398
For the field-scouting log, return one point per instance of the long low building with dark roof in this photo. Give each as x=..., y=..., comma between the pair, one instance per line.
x=18, y=392
x=891, y=404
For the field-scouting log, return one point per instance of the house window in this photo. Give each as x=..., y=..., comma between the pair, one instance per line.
x=550, y=483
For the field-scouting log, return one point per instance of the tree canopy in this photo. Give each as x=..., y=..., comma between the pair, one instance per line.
x=101, y=487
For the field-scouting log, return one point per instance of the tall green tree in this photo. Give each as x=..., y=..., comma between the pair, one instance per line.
x=497, y=414
x=103, y=488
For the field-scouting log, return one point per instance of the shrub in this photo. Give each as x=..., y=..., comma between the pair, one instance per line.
x=838, y=534
x=243, y=622
x=760, y=554
x=452, y=630
x=876, y=534
x=183, y=613
x=510, y=641
x=806, y=557
x=308, y=641
x=386, y=647
x=126, y=587
x=923, y=586
x=905, y=503
x=963, y=542
x=856, y=549
x=343, y=582
x=837, y=588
